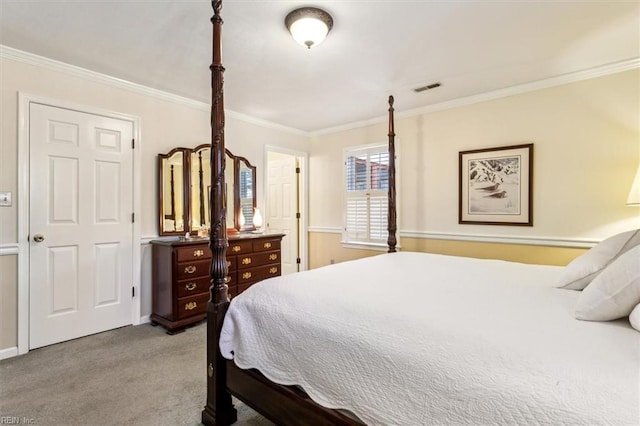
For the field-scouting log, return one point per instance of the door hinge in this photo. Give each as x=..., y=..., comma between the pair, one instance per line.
x=133, y=291
x=297, y=169
x=298, y=215
x=133, y=144
x=298, y=260
x=133, y=218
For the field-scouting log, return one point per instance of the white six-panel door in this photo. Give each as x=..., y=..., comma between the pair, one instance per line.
x=80, y=224
x=282, y=199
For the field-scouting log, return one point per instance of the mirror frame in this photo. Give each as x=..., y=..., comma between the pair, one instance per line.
x=186, y=192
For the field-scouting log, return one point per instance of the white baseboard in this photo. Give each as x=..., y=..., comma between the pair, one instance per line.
x=8, y=353
x=145, y=319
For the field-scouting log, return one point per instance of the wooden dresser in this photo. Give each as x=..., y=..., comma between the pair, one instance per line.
x=180, y=274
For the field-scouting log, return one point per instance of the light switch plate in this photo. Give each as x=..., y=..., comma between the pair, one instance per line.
x=5, y=199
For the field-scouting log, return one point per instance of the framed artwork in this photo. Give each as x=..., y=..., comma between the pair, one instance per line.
x=496, y=186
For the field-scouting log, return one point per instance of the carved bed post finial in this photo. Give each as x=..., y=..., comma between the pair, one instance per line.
x=391, y=214
x=219, y=409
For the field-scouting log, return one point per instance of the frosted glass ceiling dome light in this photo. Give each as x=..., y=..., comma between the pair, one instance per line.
x=308, y=25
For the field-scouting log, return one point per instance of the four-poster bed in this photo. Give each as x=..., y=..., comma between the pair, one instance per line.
x=287, y=403
x=513, y=356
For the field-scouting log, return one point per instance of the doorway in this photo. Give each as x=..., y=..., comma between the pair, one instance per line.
x=285, y=206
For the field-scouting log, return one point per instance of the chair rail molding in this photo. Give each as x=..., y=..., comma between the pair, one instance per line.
x=520, y=240
x=9, y=249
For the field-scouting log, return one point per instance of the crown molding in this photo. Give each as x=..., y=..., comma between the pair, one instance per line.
x=10, y=53
x=264, y=123
x=16, y=55
x=600, y=71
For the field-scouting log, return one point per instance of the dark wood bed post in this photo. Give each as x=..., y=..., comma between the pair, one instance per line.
x=391, y=214
x=219, y=409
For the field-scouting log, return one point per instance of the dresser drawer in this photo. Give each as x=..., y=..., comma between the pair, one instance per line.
x=231, y=262
x=196, y=269
x=193, y=305
x=232, y=291
x=257, y=274
x=232, y=279
x=239, y=247
x=187, y=254
x=258, y=259
x=266, y=245
x=192, y=287
x=180, y=275
x=243, y=287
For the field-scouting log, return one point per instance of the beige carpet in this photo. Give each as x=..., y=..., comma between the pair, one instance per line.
x=129, y=376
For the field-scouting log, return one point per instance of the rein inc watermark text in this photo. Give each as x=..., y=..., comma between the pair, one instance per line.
x=17, y=420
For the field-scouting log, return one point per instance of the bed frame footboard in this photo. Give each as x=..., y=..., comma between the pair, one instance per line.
x=283, y=405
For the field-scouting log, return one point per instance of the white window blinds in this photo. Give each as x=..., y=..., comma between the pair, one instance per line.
x=366, y=194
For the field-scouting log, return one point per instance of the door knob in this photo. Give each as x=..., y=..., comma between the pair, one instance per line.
x=38, y=238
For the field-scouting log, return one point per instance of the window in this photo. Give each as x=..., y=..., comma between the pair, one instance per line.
x=366, y=194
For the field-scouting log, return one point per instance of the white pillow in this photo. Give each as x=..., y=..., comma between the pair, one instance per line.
x=582, y=270
x=634, y=318
x=615, y=292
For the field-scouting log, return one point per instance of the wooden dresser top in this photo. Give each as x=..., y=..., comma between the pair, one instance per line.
x=180, y=241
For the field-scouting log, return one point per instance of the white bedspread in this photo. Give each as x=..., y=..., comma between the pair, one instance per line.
x=421, y=339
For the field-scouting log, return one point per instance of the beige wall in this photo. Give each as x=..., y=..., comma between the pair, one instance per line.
x=164, y=125
x=586, y=141
x=8, y=301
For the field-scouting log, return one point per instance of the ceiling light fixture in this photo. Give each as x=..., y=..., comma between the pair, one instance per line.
x=308, y=25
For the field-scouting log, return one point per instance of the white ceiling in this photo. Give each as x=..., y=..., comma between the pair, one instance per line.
x=376, y=48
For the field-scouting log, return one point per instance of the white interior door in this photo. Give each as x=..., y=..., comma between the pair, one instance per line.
x=80, y=224
x=283, y=206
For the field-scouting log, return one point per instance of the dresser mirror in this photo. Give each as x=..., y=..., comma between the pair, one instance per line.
x=246, y=193
x=172, y=197
x=200, y=187
x=185, y=187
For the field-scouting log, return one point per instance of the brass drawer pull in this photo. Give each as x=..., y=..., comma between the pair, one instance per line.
x=227, y=279
x=246, y=261
x=273, y=256
x=246, y=275
x=273, y=270
x=267, y=245
x=190, y=306
x=198, y=253
x=190, y=286
x=235, y=249
x=190, y=269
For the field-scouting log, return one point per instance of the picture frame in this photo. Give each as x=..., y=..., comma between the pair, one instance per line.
x=495, y=186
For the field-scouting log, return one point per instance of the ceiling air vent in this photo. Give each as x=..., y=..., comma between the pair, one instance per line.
x=427, y=87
